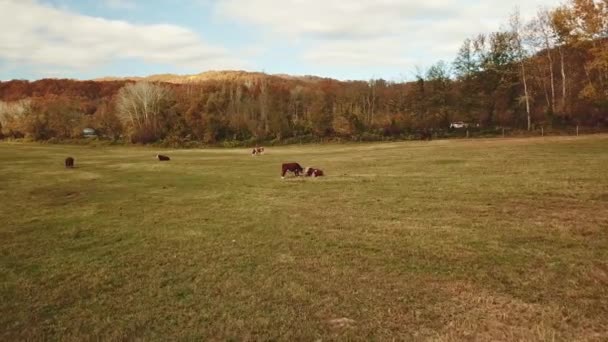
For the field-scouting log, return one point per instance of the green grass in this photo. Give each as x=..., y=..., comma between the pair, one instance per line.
x=442, y=240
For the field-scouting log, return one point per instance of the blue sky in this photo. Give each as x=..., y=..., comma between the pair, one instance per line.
x=355, y=39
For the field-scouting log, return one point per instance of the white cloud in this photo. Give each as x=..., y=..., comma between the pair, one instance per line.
x=120, y=4
x=381, y=51
x=39, y=35
x=372, y=32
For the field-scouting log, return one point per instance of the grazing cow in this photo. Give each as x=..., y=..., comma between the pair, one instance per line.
x=69, y=162
x=260, y=150
x=162, y=158
x=312, y=172
x=291, y=167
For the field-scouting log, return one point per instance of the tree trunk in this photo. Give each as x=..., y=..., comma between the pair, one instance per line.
x=552, y=77
x=563, y=69
x=545, y=91
x=373, y=104
x=523, y=74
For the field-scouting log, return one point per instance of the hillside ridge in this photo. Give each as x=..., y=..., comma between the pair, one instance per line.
x=212, y=75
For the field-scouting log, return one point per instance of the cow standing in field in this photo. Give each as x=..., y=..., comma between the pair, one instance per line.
x=160, y=157
x=69, y=162
x=291, y=167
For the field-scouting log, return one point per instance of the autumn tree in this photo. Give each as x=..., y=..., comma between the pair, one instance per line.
x=106, y=122
x=439, y=84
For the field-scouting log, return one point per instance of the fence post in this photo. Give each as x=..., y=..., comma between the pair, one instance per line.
x=467, y=133
x=542, y=131
x=503, y=132
x=577, y=130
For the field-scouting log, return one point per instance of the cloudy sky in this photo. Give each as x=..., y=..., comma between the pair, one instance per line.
x=346, y=39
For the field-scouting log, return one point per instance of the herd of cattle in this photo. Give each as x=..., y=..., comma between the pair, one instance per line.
x=294, y=168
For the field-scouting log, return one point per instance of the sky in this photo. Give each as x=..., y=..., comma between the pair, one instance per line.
x=347, y=40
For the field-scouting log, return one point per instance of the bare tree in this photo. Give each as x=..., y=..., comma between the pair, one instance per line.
x=561, y=23
x=141, y=106
x=12, y=115
x=541, y=32
x=264, y=102
x=521, y=55
x=371, y=101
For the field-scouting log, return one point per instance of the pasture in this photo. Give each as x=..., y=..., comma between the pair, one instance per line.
x=501, y=239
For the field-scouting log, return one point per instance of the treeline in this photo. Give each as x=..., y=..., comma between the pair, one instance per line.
x=551, y=71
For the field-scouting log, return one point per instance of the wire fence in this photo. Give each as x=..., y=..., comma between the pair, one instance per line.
x=540, y=131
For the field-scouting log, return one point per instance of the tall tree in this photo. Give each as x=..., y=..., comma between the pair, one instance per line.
x=541, y=33
x=521, y=56
x=562, y=23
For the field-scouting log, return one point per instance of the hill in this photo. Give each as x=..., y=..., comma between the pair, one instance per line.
x=221, y=75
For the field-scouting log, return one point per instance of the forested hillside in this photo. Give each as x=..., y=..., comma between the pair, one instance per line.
x=550, y=71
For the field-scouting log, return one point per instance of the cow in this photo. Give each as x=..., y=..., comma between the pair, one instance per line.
x=69, y=162
x=162, y=158
x=312, y=172
x=257, y=151
x=291, y=167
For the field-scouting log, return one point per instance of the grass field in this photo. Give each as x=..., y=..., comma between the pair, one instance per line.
x=442, y=240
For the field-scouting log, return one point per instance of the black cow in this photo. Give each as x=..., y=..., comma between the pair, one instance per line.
x=162, y=158
x=291, y=167
x=69, y=162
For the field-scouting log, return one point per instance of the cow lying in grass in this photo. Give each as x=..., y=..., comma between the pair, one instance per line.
x=291, y=167
x=257, y=151
x=162, y=158
x=312, y=172
x=69, y=162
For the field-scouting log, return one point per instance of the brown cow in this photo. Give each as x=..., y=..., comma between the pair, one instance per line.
x=162, y=158
x=69, y=162
x=291, y=167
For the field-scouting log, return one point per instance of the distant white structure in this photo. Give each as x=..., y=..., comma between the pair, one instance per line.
x=459, y=124
x=89, y=132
